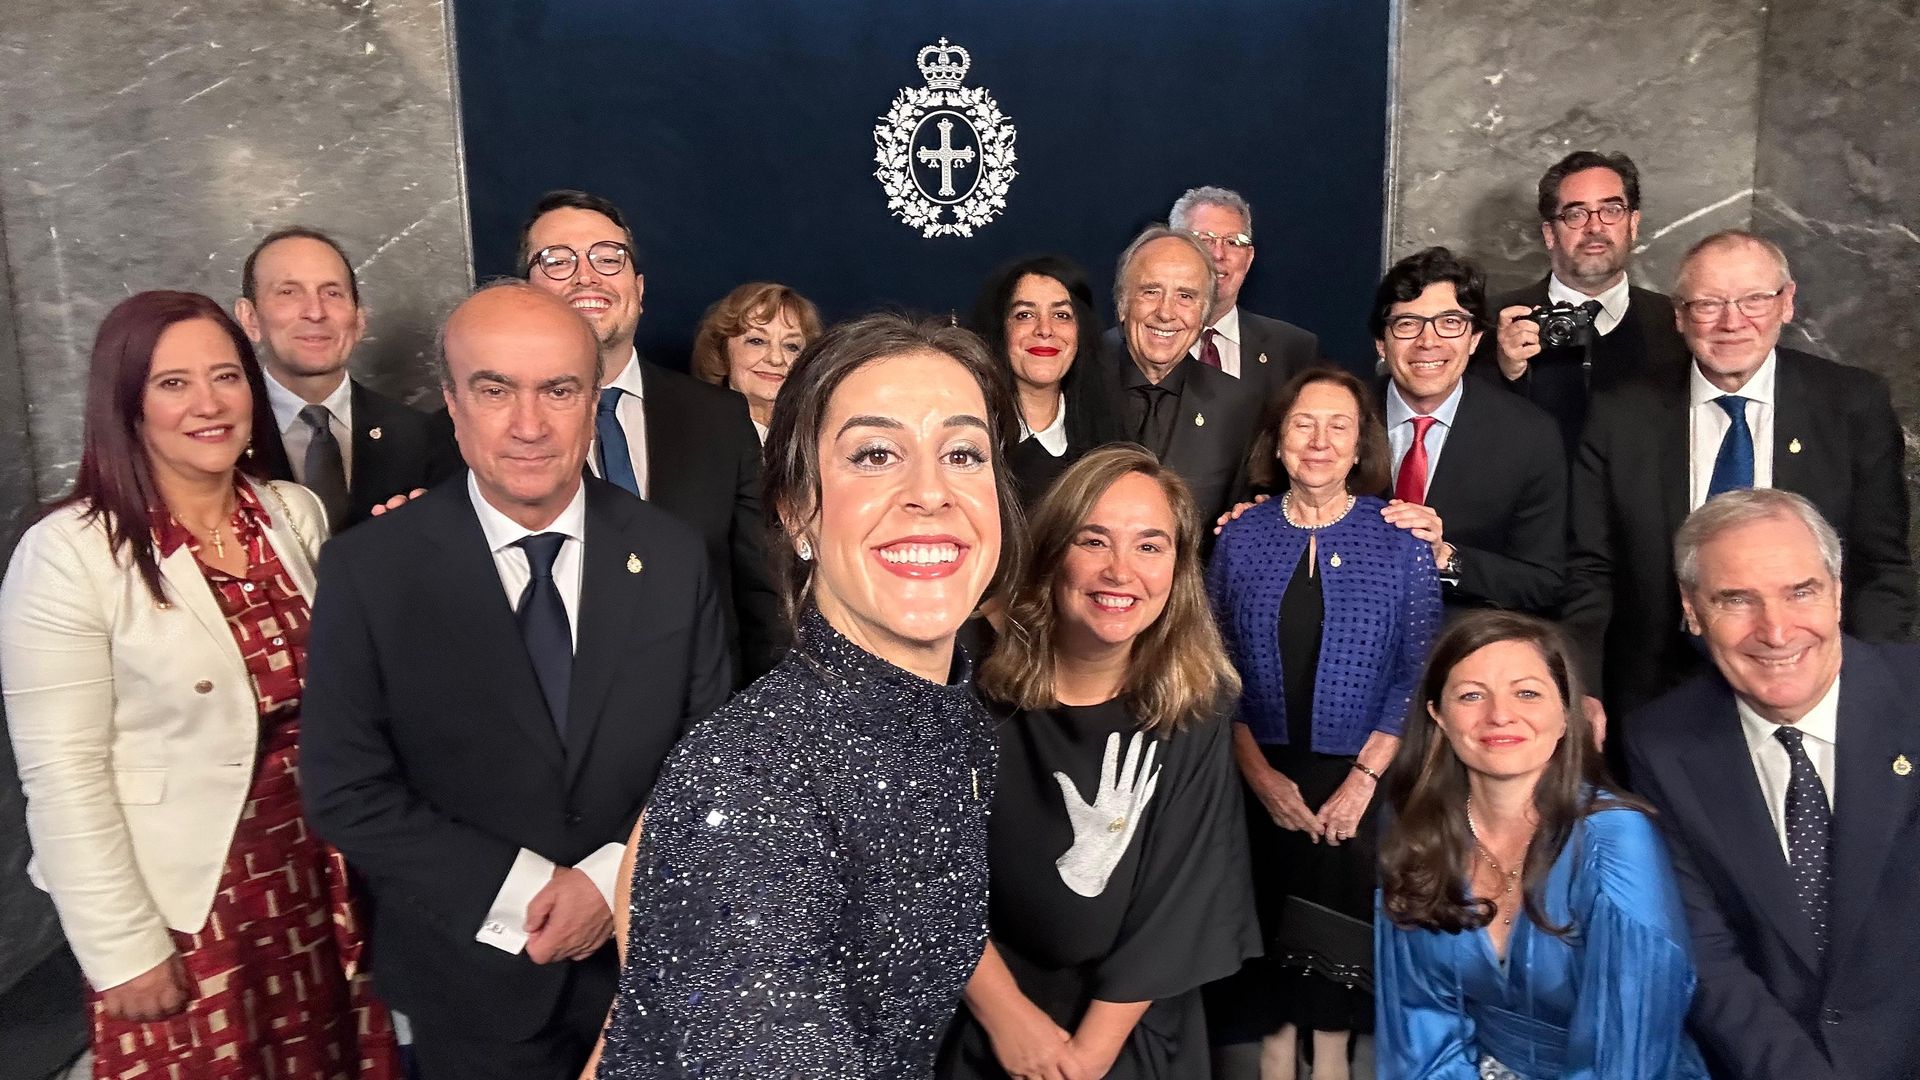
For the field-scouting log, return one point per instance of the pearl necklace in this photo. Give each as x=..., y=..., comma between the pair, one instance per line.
x=1286, y=511
x=1508, y=878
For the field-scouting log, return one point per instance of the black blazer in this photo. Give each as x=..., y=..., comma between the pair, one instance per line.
x=1219, y=419
x=703, y=467
x=1272, y=351
x=1501, y=492
x=427, y=754
x=1765, y=1009
x=1835, y=441
x=396, y=449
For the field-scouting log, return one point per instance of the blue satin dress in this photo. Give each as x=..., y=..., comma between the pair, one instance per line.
x=1608, y=1004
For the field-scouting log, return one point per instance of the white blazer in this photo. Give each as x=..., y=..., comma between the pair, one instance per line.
x=135, y=727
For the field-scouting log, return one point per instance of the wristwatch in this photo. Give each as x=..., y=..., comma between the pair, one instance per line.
x=1450, y=573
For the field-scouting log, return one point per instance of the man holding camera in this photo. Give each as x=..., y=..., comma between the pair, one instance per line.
x=1584, y=328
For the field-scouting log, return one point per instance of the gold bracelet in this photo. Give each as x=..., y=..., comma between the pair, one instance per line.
x=1369, y=772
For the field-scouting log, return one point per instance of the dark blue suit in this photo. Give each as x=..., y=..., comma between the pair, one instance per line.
x=1765, y=1009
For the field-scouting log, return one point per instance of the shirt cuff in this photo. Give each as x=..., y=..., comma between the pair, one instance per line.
x=506, y=925
x=603, y=868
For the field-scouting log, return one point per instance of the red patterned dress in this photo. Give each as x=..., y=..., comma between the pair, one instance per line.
x=277, y=988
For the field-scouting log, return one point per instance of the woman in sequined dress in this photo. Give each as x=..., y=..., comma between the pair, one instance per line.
x=153, y=630
x=1531, y=927
x=809, y=883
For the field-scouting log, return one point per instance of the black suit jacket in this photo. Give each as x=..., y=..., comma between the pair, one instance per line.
x=703, y=467
x=1214, y=431
x=396, y=449
x=1835, y=441
x=1766, y=1008
x=1272, y=351
x=427, y=754
x=1501, y=492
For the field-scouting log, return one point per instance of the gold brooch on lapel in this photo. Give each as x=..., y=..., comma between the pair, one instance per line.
x=1335, y=561
x=634, y=565
x=1263, y=358
x=1793, y=447
x=373, y=433
x=1199, y=420
x=1901, y=766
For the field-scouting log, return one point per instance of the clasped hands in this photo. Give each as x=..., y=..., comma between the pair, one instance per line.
x=1337, y=820
x=567, y=919
x=1033, y=1047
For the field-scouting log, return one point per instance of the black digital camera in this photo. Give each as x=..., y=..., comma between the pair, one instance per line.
x=1562, y=325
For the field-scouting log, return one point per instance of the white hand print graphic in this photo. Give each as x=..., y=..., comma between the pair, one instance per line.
x=1103, y=828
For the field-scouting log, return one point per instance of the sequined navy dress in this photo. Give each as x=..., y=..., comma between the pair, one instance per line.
x=810, y=890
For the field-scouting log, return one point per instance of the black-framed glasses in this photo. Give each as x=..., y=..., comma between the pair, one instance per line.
x=1238, y=241
x=1753, y=306
x=1447, y=324
x=1609, y=213
x=558, y=261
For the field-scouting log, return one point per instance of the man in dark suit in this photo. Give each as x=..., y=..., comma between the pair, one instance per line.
x=300, y=305
x=681, y=444
x=497, y=671
x=1262, y=353
x=1786, y=781
x=1748, y=414
x=1477, y=473
x=1589, y=207
x=1199, y=420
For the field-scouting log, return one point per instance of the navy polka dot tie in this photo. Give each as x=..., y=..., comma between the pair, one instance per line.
x=1809, y=825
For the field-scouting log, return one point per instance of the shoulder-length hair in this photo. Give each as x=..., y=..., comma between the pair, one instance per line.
x=754, y=304
x=1092, y=418
x=1372, y=466
x=1179, y=670
x=1426, y=856
x=115, y=482
x=790, y=498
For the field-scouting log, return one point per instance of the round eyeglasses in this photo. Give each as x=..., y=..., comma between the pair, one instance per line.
x=1610, y=213
x=1447, y=324
x=558, y=261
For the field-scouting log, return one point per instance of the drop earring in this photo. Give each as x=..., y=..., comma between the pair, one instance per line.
x=806, y=550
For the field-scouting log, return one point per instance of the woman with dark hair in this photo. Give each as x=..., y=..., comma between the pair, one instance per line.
x=1327, y=610
x=1118, y=858
x=809, y=884
x=1037, y=317
x=153, y=630
x=748, y=341
x=1532, y=928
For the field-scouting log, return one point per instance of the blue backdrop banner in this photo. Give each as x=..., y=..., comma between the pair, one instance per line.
x=841, y=148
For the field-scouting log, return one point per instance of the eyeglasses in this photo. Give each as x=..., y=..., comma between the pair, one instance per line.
x=1610, y=213
x=1752, y=305
x=1238, y=241
x=1447, y=324
x=558, y=261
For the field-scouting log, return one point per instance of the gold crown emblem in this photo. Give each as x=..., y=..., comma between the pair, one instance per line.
x=944, y=66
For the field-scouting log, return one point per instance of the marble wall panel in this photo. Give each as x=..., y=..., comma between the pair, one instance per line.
x=149, y=146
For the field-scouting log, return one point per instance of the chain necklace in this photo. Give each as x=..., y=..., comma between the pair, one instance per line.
x=1286, y=511
x=1508, y=879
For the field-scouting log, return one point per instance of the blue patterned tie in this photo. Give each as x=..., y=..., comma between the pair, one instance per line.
x=1733, y=466
x=616, y=460
x=542, y=616
x=1809, y=826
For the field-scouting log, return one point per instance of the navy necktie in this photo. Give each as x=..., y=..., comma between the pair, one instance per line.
x=616, y=460
x=325, y=473
x=1809, y=826
x=1733, y=466
x=542, y=616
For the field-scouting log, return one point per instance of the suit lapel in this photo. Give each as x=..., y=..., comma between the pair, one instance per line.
x=1670, y=445
x=1791, y=434
x=1189, y=441
x=668, y=448
x=188, y=587
x=1872, y=803
x=1462, y=452
x=614, y=584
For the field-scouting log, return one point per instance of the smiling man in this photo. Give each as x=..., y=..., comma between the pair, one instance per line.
x=1786, y=779
x=300, y=305
x=1262, y=353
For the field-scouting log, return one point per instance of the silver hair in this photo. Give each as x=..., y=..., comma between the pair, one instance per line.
x=1147, y=236
x=1181, y=216
x=1729, y=238
x=443, y=374
x=1744, y=506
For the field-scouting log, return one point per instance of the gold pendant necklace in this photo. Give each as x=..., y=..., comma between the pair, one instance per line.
x=1508, y=879
x=219, y=549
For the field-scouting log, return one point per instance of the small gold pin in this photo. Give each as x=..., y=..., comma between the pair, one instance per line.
x=634, y=565
x=1199, y=420
x=1901, y=766
x=373, y=433
x=1335, y=561
x=1263, y=358
x=1793, y=447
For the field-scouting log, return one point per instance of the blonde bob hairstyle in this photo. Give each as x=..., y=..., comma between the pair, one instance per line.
x=1179, y=670
x=756, y=303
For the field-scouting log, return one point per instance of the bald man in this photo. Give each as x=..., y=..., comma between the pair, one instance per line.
x=495, y=674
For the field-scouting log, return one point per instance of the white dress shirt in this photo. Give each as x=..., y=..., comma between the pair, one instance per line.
x=1774, y=766
x=1400, y=428
x=1226, y=339
x=1708, y=423
x=504, y=927
x=296, y=436
x=633, y=420
x=1053, y=437
x=1613, y=302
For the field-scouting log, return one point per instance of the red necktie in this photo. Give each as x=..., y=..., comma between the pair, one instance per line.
x=1209, y=352
x=1411, y=486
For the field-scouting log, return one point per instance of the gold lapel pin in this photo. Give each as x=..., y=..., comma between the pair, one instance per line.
x=1263, y=358
x=1901, y=766
x=373, y=433
x=1199, y=420
x=634, y=565
x=1793, y=447
x=1335, y=561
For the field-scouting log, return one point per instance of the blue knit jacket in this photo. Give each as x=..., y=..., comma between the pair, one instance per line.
x=1382, y=610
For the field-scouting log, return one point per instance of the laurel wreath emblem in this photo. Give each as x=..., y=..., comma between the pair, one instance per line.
x=893, y=150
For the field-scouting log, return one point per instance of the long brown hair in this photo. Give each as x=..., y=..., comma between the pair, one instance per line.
x=1179, y=669
x=1426, y=856
x=115, y=482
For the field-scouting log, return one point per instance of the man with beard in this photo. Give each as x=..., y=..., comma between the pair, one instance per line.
x=1589, y=207
x=687, y=447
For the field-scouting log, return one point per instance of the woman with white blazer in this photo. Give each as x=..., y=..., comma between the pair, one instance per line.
x=152, y=650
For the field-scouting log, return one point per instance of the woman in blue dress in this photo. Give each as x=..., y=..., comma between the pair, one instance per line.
x=1530, y=927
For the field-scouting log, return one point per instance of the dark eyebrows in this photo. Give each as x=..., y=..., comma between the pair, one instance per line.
x=966, y=420
x=489, y=375
x=886, y=422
